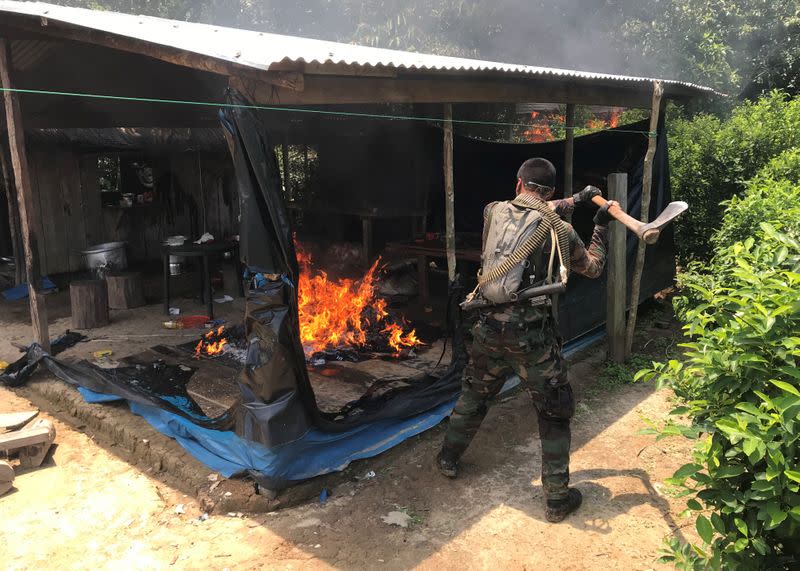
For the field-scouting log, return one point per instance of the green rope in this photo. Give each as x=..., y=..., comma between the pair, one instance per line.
x=649, y=134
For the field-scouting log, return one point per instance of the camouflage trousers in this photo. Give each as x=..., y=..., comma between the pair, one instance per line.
x=532, y=350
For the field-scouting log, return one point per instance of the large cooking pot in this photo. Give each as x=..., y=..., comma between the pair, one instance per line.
x=106, y=257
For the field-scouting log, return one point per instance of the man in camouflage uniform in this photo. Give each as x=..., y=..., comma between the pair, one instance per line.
x=523, y=339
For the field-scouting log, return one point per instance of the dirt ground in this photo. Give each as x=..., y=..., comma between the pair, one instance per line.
x=86, y=508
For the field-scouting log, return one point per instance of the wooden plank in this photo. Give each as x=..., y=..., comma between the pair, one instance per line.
x=14, y=420
x=449, y=193
x=70, y=183
x=616, y=278
x=421, y=89
x=31, y=231
x=569, y=154
x=91, y=199
x=647, y=183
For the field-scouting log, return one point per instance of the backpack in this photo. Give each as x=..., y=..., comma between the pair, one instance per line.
x=513, y=231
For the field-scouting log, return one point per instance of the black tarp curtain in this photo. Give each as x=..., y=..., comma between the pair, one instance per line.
x=277, y=403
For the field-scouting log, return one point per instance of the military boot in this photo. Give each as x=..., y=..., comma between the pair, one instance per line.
x=447, y=462
x=557, y=510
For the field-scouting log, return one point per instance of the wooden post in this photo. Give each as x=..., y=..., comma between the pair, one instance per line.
x=13, y=218
x=28, y=210
x=569, y=153
x=449, y=193
x=616, y=270
x=647, y=183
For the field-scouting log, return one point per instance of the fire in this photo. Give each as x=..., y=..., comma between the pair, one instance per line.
x=397, y=340
x=541, y=132
x=609, y=122
x=336, y=313
x=211, y=343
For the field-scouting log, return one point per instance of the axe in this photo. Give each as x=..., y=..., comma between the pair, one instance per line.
x=652, y=230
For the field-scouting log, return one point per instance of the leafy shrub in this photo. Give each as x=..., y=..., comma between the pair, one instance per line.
x=741, y=386
x=740, y=381
x=711, y=160
x=774, y=194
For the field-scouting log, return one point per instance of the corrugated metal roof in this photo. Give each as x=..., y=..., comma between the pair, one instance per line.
x=261, y=50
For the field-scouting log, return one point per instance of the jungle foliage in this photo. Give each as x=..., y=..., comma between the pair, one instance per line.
x=740, y=383
x=711, y=160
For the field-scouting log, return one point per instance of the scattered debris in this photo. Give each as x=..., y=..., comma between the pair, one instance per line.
x=180, y=509
x=206, y=237
x=3, y=365
x=100, y=353
x=324, y=495
x=368, y=476
x=224, y=299
x=174, y=310
x=203, y=517
x=397, y=518
x=213, y=477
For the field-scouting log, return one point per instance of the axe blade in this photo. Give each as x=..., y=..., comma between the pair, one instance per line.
x=652, y=230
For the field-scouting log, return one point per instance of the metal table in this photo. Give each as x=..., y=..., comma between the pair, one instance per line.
x=192, y=250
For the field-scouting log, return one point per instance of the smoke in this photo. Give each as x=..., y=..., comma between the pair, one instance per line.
x=572, y=34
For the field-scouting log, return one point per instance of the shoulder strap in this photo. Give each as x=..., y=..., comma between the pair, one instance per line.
x=549, y=220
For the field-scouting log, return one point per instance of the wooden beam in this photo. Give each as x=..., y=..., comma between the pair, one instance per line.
x=28, y=208
x=616, y=278
x=647, y=183
x=417, y=88
x=569, y=153
x=62, y=31
x=449, y=193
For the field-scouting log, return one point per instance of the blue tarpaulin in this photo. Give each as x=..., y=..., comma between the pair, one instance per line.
x=314, y=454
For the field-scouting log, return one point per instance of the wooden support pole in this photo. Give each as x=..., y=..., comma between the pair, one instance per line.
x=647, y=183
x=28, y=210
x=449, y=193
x=616, y=270
x=569, y=153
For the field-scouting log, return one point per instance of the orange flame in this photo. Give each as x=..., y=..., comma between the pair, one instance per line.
x=397, y=340
x=211, y=343
x=609, y=122
x=336, y=313
x=541, y=132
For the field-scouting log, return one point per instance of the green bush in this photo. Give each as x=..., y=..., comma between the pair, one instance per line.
x=740, y=383
x=774, y=195
x=711, y=160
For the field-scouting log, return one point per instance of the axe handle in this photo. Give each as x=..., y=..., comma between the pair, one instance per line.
x=635, y=226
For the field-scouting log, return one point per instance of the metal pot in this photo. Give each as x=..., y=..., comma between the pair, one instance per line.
x=109, y=256
x=175, y=268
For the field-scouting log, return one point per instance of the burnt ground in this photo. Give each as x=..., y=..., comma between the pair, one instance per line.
x=88, y=507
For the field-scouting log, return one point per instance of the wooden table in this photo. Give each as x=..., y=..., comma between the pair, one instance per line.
x=192, y=250
x=424, y=249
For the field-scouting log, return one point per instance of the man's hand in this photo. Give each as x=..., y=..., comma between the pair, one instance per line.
x=585, y=196
x=602, y=216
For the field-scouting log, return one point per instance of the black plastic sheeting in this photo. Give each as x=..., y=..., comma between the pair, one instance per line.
x=275, y=379
x=277, y=403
